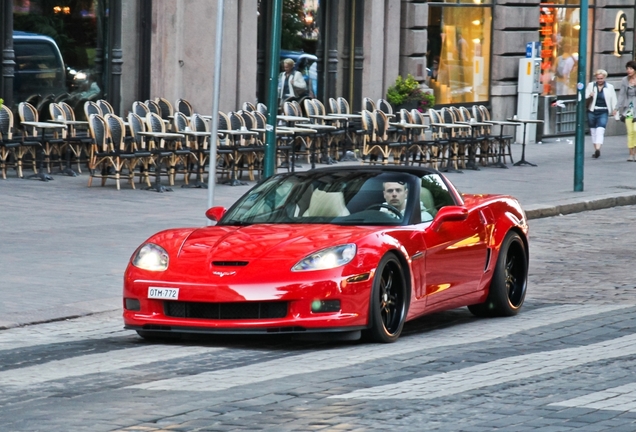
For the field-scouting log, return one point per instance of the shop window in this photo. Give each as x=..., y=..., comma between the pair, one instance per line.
x=459, y=52
x=76, y=29
x=559, y=35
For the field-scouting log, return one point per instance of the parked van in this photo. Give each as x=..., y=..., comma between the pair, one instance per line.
x=39, y=68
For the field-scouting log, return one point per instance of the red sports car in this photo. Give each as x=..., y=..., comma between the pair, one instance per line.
x=345, y=251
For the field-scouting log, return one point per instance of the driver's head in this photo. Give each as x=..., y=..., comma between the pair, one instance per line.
x=395, y=194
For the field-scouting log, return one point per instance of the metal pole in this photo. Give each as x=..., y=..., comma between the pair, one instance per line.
x=215, y=104
x=272, y=90
x=579, y=142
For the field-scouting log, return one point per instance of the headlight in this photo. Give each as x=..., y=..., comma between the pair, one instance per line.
x=151, y=257
x=327, y=258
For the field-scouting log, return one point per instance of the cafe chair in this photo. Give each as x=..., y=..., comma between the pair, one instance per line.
x=51, y=143
x=504, y=141
x=80, y=132
x=368, y=104
x=171, y=151
x=75, y=143
x=428, y=148
x=458, y=140
x=375, y=137
x=262, y=108
x=92, y=108
x=200, y=145
x=102, y=152
x=441, y=137
x=123, y=155
x=105, y=106
x=140, y=147
x=140, y=108
x=12, y=145
x=153, y=107
x=189, y=158
x=43, y=107
x=384, y=106
x=248, y=106
x=183, y=106
x=165, y=107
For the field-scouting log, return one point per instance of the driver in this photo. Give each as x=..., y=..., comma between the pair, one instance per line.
x=395, y=194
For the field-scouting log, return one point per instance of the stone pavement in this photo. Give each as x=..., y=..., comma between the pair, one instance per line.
x=65, y=247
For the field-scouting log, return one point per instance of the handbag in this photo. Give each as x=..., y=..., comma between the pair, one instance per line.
x=588, y=101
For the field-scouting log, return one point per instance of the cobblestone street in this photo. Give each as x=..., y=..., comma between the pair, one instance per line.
x=563, y=364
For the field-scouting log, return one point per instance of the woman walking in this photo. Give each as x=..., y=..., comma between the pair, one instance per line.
x=626, y=104
x=603, y=103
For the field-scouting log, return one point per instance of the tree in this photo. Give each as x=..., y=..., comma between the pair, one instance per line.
x=293, y=25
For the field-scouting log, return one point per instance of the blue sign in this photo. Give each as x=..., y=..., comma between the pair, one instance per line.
x=532, y=49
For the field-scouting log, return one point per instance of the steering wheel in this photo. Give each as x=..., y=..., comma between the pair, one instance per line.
x=386, y=206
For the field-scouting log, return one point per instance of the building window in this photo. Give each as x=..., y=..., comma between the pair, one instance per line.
x=459, y=51
x=559, y=34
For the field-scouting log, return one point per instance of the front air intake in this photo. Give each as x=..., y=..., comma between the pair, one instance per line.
x=225, y=311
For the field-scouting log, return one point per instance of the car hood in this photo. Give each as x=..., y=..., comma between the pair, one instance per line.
x=275, y=242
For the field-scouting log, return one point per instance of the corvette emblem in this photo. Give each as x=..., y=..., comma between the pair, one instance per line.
x=221, y=273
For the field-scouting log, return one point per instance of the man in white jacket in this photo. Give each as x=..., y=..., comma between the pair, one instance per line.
x=290, y=82
x=603, y=104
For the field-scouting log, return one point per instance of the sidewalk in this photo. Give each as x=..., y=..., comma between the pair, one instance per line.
x=65, y=246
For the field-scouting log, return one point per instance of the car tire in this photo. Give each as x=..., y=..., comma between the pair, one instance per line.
x=508, y=285
x=389, y=299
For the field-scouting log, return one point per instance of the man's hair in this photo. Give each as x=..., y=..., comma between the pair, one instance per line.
x=631, y=64
x=400, y=182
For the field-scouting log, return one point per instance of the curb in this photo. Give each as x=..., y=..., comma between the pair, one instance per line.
x=598, y=204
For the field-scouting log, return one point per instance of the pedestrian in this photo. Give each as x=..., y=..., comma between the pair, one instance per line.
x=603, y=102
x=290, y=82
x=626, y=104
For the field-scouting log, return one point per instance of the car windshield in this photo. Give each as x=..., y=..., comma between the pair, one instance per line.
x=335, y=197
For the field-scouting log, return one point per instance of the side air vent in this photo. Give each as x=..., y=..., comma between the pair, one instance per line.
x=230, y=263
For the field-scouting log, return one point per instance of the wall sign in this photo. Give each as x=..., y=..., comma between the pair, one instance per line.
x=620, y=28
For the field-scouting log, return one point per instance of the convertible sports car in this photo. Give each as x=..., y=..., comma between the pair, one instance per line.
x=345, y=251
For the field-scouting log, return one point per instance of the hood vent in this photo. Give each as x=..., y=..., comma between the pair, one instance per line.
x=230, y=263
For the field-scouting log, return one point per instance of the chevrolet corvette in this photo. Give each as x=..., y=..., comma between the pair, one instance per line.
x=341, y=252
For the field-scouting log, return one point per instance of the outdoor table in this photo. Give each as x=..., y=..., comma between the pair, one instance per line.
x=409, y=128
x=449, y=167
x=199, y=183
x=299, y=131
x=168, y=136
x=233, y=133
x=68, y=124
x=43, y=126
x=525, y=122
x=472, y=163
x=500, y=163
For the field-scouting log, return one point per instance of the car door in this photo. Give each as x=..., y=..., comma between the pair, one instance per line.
x=456, y=251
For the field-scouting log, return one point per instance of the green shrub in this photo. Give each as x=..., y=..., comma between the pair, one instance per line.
x=408, y=90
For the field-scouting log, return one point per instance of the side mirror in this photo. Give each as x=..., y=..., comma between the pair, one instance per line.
x=215, y=213
x=449, y=214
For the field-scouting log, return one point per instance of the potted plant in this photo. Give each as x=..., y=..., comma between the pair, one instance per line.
x=406, y=93
x=1, y=102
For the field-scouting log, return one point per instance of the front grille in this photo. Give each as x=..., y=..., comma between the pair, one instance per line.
x=225, y=311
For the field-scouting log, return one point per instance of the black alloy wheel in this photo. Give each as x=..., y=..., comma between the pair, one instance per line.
x=508, y=285
x=388, y=301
